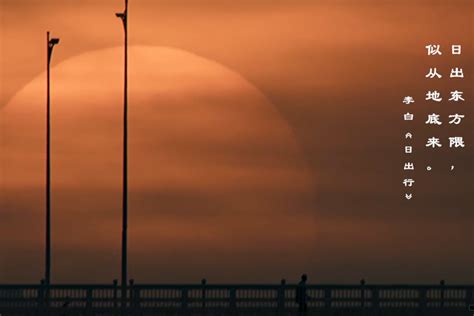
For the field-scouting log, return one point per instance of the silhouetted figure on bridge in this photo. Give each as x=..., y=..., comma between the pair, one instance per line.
x=301, y=297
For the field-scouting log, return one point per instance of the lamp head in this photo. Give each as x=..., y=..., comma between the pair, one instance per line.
x=123, y=17
x=54, y=41
x=51, y=43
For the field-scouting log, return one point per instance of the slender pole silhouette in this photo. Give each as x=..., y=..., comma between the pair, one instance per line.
x=50, y=42
x=123, y=17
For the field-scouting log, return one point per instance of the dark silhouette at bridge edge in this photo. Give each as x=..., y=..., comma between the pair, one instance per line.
x=236, y=299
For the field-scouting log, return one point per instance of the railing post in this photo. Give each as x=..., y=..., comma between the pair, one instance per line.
x=362, y=293
x=203, y=294
x=327, y=297
x=422, y=296
x=375, y=298
x=89, y=301
x=233, y=299
x=442, y=284
x=131, y=295
x=47, y=295
x=41, y=298
x=469, y=296
x=115, y=303
x=281, y=296
x=184, y=298
x=134, y=296
x=137, y=297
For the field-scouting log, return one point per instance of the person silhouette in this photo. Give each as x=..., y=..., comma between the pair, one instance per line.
x=301, y=297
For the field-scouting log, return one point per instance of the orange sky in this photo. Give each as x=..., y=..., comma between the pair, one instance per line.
x=333, y=74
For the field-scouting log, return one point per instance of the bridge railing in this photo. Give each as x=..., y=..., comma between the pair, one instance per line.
x=203, y=296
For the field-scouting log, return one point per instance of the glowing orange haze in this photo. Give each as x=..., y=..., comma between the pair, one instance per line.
x=216, y=176
x=275, y=149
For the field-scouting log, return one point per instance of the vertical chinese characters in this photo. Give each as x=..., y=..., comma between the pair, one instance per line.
x=435, y=120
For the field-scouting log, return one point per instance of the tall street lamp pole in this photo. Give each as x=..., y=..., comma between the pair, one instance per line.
x=50, y=42
x=123, y=17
